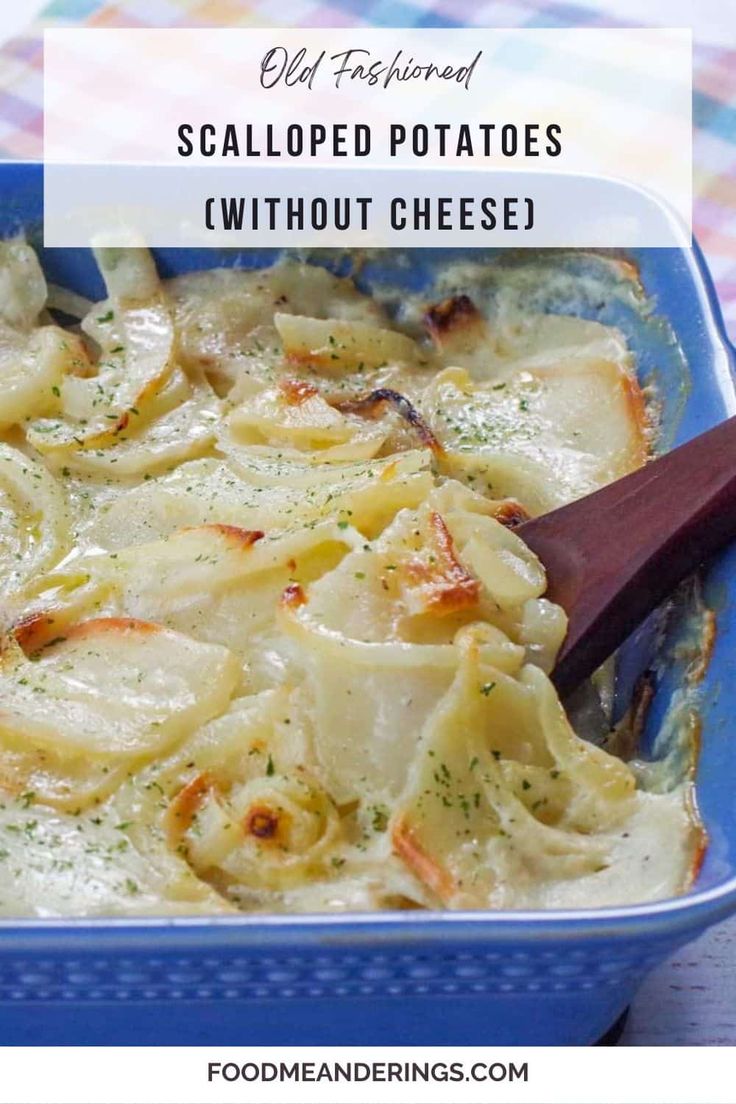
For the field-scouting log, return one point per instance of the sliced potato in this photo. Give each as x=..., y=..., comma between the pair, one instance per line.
x=33, y=361
x=84, y=864
x=182, y=433
x=536, y=436
x=135, y=331
x=114, y=687
x=482, y=822
x=270, y=644
x=332, y=345
x=256, y=492
x=295, y=416
x=224, y=317
x=22, y=285
x=34, y=521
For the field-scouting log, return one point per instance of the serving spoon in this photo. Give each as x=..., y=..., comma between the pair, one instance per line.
x=613, y=556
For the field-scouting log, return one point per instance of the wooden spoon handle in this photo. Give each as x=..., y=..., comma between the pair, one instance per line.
x=613, y=556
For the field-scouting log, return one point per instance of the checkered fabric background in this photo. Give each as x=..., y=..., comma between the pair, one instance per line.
x=714, y=78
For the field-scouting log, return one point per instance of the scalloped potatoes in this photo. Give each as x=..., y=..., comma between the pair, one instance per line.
x=269, y=640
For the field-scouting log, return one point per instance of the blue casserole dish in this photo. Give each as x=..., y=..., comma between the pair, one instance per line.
x=410, y=978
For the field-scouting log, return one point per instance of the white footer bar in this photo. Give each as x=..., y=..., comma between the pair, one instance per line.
x=391, y=1075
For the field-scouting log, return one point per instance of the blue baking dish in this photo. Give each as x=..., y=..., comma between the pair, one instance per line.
x=404, y=978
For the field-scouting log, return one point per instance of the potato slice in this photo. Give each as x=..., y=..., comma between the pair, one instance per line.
x=381, y=635
x=136, y=333
x=490, y=811
x=536, y=436
x=259, y=494
x=22, y=285
x=32, y=361
x=295, y=417
x=332, y=345
x=184, y=432
x=83, y=864
x=114, y=687
x=34, y=523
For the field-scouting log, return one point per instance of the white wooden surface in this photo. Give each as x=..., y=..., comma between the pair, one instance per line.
x=691, y=999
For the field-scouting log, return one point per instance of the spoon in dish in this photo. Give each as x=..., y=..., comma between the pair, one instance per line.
x=613, y=556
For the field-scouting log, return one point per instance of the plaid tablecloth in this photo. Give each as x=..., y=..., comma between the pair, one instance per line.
x=714, y=77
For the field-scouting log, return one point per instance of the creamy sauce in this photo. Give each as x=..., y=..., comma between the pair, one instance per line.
x=275, y=646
